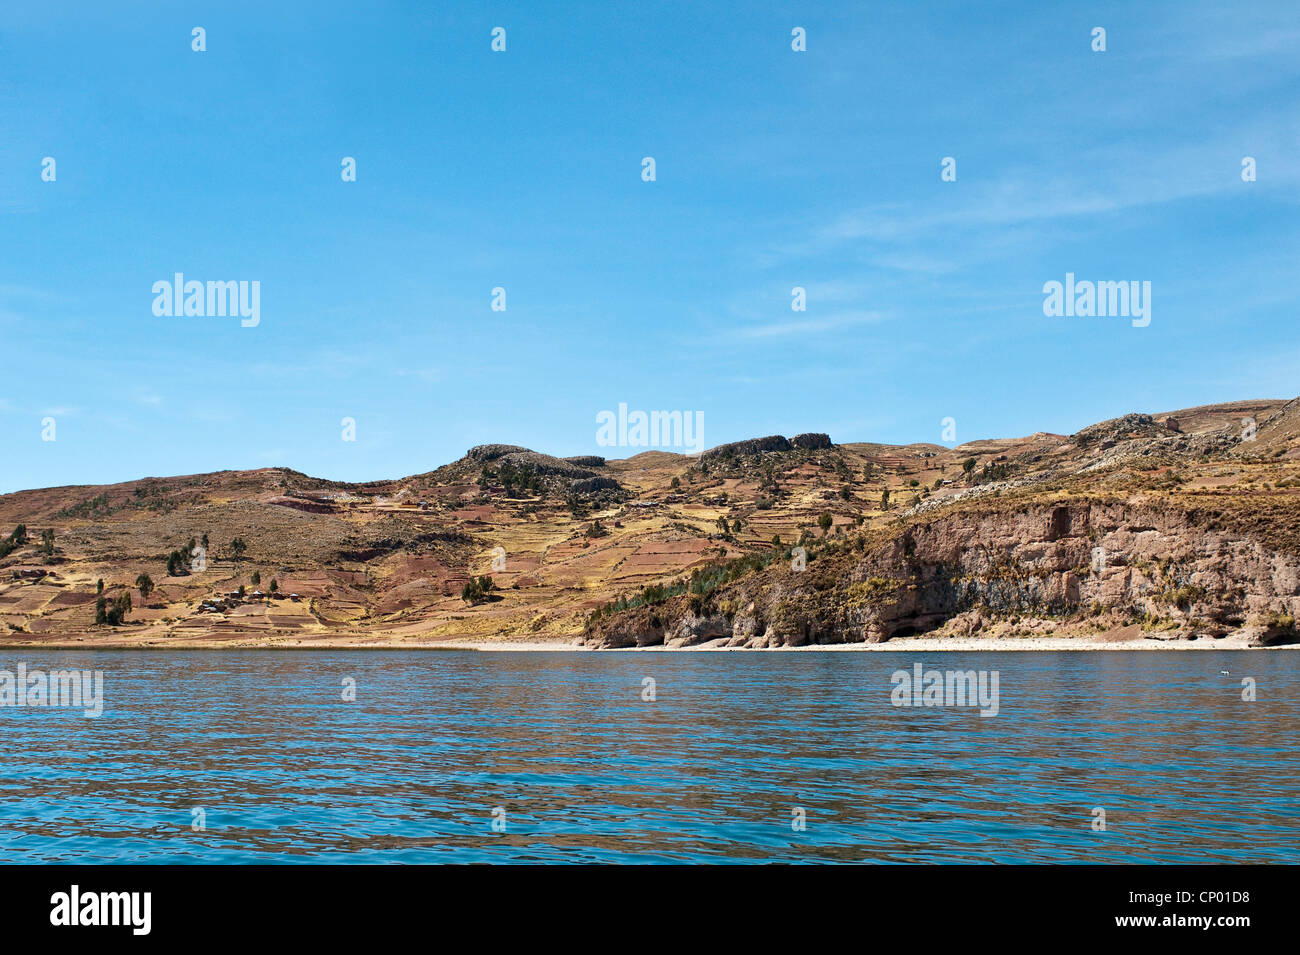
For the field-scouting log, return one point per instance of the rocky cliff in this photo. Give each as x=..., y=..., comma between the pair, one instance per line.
x=1182, y=571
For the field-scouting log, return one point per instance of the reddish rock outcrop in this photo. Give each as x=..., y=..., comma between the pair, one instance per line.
x=1199, y=572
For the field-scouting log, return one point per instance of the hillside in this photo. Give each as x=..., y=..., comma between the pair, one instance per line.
x=1196, y=514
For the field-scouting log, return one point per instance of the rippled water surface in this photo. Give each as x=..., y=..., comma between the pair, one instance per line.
x=712, y=770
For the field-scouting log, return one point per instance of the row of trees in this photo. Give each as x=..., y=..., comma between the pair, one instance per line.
x=144, y=583
x=181, y=560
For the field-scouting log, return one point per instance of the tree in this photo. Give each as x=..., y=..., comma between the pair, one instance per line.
x=846, y=493
x=968, y=465
x=257, y=578
x=205, y=540
x=47, y=542
x=884, y=499
x=723, y=524
x=113, y=613
x=237, y=549
x=99, y=586
x=735, y=526
x=274, y=588
x=180, y=561
x=476, y=589
x=776, y=541
x=145, y=585
x=15, y=540
x=675, y=483
x=824, y=522
x=241, y=590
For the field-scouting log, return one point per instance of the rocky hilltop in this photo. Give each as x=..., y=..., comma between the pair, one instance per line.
x=1182, y=525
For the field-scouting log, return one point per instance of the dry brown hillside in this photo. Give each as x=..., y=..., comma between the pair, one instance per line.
x=667, y=548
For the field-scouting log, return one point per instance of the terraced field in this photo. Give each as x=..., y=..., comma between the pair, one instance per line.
x=389, y=561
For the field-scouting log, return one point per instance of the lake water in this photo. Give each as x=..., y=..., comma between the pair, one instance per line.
x=715, y=768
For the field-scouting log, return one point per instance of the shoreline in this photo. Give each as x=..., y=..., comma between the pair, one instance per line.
x=1113, y=641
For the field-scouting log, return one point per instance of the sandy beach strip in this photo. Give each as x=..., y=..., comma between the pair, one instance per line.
x=1127, y=638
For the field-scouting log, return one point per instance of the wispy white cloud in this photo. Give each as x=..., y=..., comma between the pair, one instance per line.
x=1030, y=205
x=424, y=374
x=212, y=415
x=810, y=326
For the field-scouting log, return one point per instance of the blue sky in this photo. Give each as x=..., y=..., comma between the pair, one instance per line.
x=522, y=170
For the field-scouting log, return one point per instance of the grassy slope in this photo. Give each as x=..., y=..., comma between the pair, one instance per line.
x=375, y=564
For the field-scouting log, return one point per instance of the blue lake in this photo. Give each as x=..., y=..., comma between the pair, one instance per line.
x=260, y=747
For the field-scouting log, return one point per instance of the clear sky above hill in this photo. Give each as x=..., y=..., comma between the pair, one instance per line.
x=522, y=170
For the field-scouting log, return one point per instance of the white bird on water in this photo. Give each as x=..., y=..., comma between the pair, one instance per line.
x=1224, y=672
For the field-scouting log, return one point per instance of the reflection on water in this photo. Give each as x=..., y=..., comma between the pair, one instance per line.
x=285, y=771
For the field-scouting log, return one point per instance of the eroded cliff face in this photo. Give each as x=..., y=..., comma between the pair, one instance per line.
x=1185, y=572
